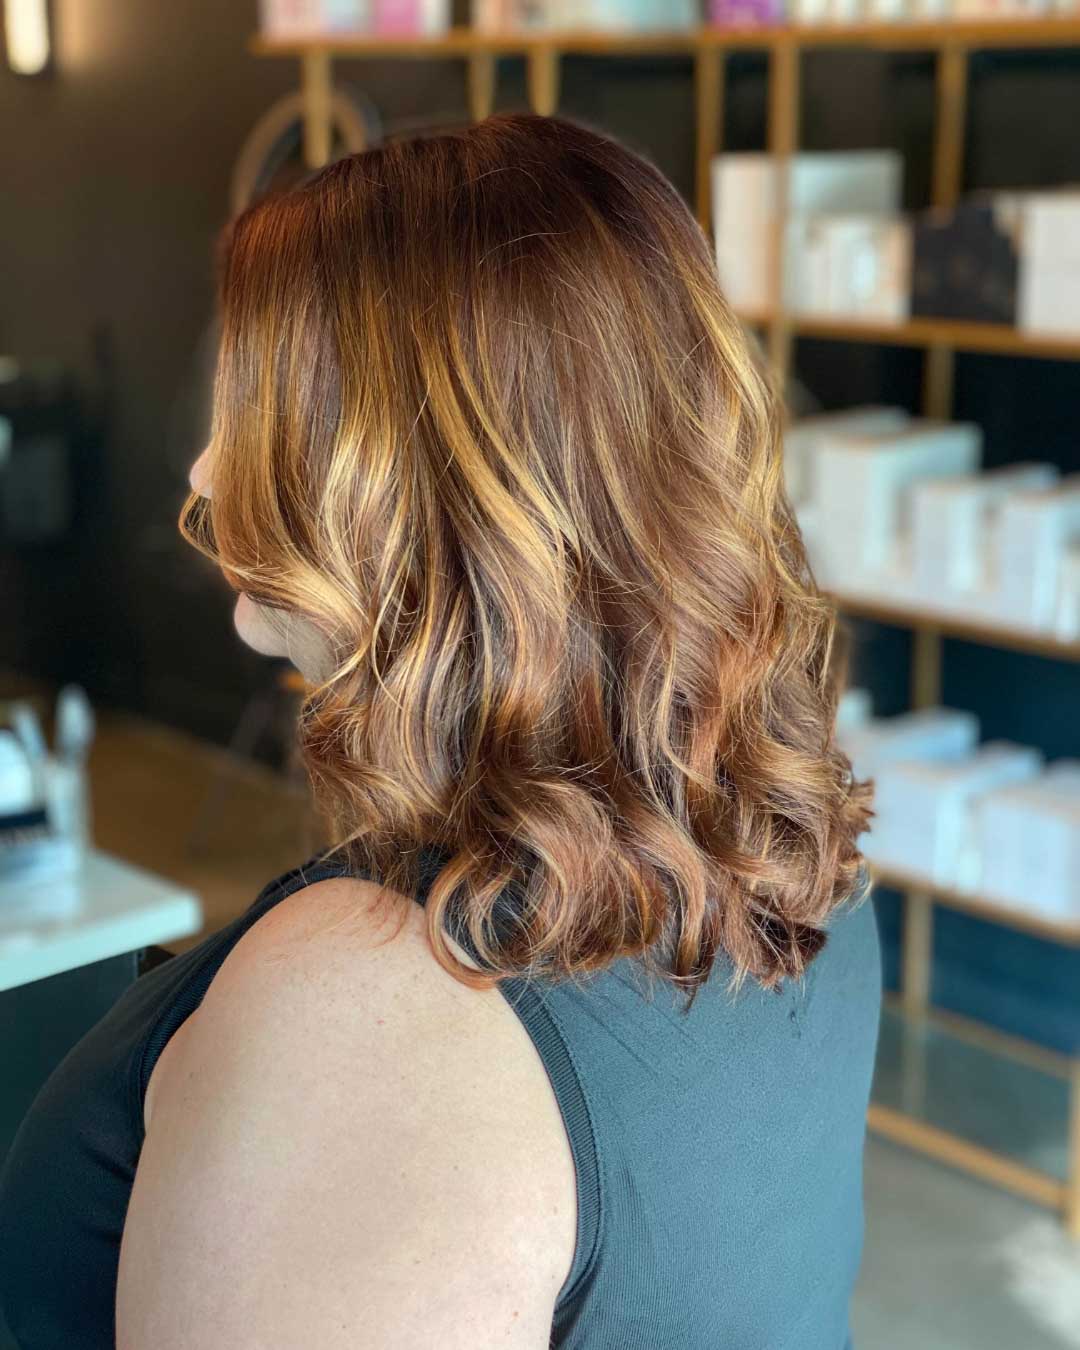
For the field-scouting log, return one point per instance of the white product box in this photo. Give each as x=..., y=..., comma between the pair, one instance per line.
x=863, y=485
x=857, y=266
x=869, y=267
x=745, y=191
x=1029, y=844
x=888, y=11
x=803, y=440
x=1048, y=299
x=924, y=820
x=435, y=17
x=808, y=11
x=854, y=708
x=953, y=522
x=1067, y=607
x=1034, y=531
x=928, y=734
x=845, y=11
x=1050, y=226
x=285, y=18
x=1048, y=296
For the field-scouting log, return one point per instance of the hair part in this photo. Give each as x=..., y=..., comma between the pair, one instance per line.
x=483, y=415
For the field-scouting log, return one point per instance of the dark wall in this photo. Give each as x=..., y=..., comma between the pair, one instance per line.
x=116, y=169
x=118, y=179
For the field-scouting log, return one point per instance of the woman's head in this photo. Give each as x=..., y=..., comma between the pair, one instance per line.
x=484, y=421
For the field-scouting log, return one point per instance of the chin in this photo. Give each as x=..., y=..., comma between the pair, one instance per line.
x=259, y=628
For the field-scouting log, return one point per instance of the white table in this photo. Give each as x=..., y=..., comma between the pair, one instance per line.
x=112, y=908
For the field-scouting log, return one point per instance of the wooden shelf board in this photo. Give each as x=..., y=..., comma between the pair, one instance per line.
x=977, y=1098
x=979, y=33
x=1062, y=931
x=999, y=339
x=984, y=1036
x=463, y=41
x=951, y=1149
x=956, y=626
x=1017, y=33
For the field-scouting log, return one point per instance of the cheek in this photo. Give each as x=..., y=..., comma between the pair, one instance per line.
x=259, y=628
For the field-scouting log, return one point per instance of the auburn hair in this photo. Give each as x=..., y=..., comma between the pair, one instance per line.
x=483, y=416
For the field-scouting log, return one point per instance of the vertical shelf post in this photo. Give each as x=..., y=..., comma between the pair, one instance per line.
x=480, y=84
x=316, y=90
x=1072, y=1184
x=543, y=79
x=917, y=954
x=783, y=134
x=708, y=103
x=938, y=374
x=950, y=124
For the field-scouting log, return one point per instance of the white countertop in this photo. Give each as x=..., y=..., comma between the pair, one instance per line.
x=106, y=908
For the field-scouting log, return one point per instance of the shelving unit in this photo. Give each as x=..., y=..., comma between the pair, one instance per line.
x=1065, y=932
x=942, y=624
x=997, y=339
x=916, y=1037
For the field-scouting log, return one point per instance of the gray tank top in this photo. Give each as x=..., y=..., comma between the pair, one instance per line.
x=718, y=1153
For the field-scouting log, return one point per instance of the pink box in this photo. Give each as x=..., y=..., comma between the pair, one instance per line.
x=396, y=16
x=738, y=13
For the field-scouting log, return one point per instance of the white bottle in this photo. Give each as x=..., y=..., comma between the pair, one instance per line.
x=16, y=777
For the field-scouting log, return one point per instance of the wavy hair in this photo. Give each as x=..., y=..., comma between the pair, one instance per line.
x=483, y=416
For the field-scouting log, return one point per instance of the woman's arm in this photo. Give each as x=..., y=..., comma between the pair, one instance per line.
x=348, y=1148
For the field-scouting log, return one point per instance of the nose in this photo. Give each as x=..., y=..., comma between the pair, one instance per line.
x=199, y=477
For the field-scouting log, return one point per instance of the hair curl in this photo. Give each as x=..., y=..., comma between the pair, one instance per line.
x=483, y=415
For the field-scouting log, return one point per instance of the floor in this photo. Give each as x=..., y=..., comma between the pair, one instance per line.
x=949, y=1263
x=953, y=1264
x=219, y=825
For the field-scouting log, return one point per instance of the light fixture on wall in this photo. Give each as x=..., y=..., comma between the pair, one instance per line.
x=26, y=36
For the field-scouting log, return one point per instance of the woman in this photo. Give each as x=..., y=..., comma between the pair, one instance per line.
x=491, y=463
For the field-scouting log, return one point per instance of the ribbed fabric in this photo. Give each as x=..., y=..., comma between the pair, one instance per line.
x=718, y=1154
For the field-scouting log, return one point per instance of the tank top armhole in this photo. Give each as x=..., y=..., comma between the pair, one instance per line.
x=531, y=1007
x=192, y=990
x=524, y=996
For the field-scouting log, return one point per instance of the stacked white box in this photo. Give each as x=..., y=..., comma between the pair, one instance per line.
x=802, y=441
x=927, y=734
x=1029, y=844
x=1067, y=607
x=858, y=266
x=295, y=18
x=1048, y=295
x=953, y=523
x=744, y=189
x=925, y=821
x=1034, y=531
x=863, y=483
x=854, y=708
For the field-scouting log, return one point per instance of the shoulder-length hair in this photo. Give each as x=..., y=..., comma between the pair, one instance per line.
x=483, y=416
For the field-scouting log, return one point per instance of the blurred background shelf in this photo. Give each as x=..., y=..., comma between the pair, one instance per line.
x=944, y=624
x=1000, y=339
x=1066, y=932
x=983, y=33
x=999, y=1108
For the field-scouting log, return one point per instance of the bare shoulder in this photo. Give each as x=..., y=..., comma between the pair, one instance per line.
x=347, y=1146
